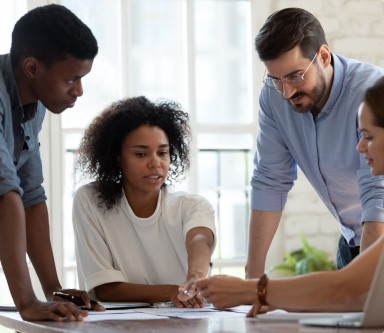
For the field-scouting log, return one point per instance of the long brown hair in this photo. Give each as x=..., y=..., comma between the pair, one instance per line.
x=374, y=98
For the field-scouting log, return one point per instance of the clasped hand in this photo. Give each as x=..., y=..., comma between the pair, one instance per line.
x=188, y=295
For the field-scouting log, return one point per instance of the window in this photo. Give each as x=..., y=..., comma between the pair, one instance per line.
x=198, y=53
x=13, y=10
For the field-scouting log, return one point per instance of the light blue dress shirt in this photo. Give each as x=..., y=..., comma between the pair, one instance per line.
x=20, y=163
x=324, y=148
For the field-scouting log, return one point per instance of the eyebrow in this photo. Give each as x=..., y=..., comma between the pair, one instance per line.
x=74, y=75
x=164, y=145
x=289, y=74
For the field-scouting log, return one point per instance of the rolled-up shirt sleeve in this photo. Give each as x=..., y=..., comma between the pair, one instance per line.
x=20, y=162
x=275, y=169
x=31, y=176
x=9, y=181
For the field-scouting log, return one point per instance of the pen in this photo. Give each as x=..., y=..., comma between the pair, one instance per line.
x=210, y=269
x=185, y=292
x=207, y=303
x=74, y=299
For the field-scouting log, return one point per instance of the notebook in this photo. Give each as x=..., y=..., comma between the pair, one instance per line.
x=372, y=315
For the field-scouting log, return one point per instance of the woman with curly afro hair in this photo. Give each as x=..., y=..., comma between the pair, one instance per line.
x=136, y=240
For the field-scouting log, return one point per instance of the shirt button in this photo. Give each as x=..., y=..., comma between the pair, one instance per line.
x=14, y=162
x=27, y=137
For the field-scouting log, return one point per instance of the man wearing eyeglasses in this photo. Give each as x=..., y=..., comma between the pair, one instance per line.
x=308, y=118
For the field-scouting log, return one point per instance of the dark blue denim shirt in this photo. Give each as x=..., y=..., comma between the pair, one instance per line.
x=20, y=162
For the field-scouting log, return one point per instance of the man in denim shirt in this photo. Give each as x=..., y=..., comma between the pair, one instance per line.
x=308, y=118
x=51, y=51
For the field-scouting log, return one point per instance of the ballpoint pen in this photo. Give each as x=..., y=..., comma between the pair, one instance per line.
x=210, y=269
x=74, y=299
x=185, y=292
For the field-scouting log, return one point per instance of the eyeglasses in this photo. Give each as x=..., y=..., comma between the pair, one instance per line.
x=294, y=80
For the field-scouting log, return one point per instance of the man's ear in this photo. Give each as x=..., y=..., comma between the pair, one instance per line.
x=31, y=67
x=325, y=55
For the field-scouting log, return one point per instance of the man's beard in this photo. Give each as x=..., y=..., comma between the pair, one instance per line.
x=315, y=97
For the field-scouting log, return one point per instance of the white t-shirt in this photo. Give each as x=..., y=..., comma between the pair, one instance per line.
x=117, y=246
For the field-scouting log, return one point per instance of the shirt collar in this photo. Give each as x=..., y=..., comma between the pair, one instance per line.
x=28, y=112
x=337, y=85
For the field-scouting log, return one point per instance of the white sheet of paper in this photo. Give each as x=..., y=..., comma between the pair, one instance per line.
x=120, y=315
x=241, y=309
x=187, y=313
x=284, y=316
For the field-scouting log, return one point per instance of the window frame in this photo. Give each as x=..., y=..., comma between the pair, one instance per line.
x=52, y=146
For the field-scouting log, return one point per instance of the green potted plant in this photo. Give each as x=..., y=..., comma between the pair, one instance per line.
x=305, y=260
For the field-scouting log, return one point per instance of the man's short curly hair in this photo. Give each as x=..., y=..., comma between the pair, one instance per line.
x=51, y=33
x=103, y=139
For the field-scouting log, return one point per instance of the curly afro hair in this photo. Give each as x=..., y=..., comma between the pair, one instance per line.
x=102, y=142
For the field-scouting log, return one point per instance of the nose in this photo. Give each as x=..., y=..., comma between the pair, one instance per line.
x=77, y=89
x=361, y=145
x=288, y=90
x=154, y=162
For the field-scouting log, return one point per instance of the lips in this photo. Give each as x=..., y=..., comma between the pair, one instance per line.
x=71, y=104
x=296, y=99
x=369, y=160
x=154, y=178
